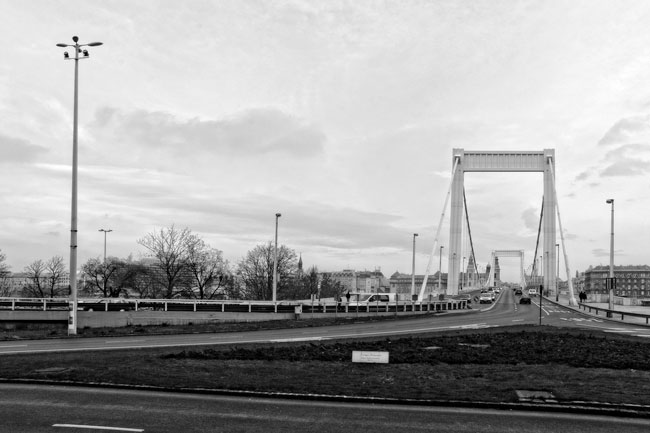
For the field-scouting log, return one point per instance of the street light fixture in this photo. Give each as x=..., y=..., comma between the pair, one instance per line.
x=104, y=276
x=415, y=235
x=611, y=261
x=275, y=259
x=440, y=270
x=72, y=318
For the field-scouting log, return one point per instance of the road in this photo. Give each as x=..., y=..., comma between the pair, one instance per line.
x=505, y=312
x=59, y=409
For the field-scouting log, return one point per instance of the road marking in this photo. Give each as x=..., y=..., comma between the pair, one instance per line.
x=288, y=340
x=98, y=427
x=517, y=320
x=123, y=341
x=14, y=345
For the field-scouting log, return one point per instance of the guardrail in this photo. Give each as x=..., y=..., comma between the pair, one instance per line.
x=611, y=313
x=230, y=306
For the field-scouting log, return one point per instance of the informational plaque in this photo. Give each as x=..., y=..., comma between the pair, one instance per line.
x=370, y=357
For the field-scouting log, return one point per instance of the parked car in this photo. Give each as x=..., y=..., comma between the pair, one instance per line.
x=524, y=300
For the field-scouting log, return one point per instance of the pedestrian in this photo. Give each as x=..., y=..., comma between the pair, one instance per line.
x=347, y=297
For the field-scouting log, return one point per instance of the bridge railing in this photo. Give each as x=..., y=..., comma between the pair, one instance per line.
x=230, y=306
x=613, y=313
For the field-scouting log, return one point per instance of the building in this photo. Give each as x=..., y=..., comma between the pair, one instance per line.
x=361, y=281
x=401, y=284
x=631, y=281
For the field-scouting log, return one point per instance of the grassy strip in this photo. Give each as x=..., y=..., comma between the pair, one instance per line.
x=472, y=366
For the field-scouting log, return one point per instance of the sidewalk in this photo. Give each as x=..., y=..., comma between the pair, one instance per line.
x=618, y=310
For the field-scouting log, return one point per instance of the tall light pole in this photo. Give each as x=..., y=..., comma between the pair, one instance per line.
x=72, y=317
x=104, y=263
x=105, y=231
x=611, y=260
x=275, y=259
x=557, y=273
x=462, y=286
x=440, y=271
x=415, y=235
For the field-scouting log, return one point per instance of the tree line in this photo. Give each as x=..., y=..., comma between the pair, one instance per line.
x=179, y=264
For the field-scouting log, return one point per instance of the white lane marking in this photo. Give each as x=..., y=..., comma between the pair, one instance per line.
x=98, y=427
x=287, y=340
x=14, y=345
x=517, y=320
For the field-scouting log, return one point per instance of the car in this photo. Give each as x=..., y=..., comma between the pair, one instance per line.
x=485, y=298
x=518, y=292
x=524, y=300
x=532, y=292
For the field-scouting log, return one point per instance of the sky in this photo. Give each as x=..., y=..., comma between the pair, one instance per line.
x=340, y=115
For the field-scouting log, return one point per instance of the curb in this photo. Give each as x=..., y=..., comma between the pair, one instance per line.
x=576, y=407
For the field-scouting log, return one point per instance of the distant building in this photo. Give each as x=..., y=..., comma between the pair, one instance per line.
x=361, y=281
x=631, y=281
x=401, y=284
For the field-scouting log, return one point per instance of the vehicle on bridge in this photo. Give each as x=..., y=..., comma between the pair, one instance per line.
x=485, y=298
x=524, y=300
x=359, y=299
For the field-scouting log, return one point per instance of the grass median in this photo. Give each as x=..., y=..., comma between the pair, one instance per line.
x=488, y=365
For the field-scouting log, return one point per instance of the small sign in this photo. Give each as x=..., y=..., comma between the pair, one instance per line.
x=370, y=357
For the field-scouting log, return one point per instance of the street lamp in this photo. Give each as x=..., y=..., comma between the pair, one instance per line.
x=557, y=273
x=104, y=276
x=105, y=231
x=415, y=235
x=462, y=285
x=611, y=260
x=275, y=259
x=440, y=271
x=72, y=318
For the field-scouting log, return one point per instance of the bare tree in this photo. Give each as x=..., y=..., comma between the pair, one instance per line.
x=255, y=272
x=5, y=286
x=99, y=276
x=208, y=269
x=169, y=248
x=46, y=278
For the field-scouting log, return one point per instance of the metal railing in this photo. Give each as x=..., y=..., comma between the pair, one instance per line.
x=226, y=306
x=613, y=313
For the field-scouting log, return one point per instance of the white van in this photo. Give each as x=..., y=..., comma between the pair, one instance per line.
x=372, y=299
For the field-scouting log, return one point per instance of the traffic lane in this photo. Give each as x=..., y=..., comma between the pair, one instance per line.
x=37, y=409
x=430, y=323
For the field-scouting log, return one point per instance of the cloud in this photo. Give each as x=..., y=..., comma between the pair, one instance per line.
x=628, y=130
x=253, y=132
x=14, y=150
x=627, y=160
x=531, y=218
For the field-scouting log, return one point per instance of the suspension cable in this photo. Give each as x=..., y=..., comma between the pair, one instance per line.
x=435, y=242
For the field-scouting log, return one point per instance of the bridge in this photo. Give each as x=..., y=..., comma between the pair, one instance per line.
x=501, y=161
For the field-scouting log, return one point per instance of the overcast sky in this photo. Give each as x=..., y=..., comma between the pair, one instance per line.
x=341, y=115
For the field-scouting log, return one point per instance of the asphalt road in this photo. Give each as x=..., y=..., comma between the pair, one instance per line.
x=505, y=312
x=36, y=409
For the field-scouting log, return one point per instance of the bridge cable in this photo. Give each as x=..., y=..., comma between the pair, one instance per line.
x=572, y=299
x=469, y=233
x=539, y=231
x=435, y=242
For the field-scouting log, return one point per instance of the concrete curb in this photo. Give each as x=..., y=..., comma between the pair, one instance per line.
x=578, y=407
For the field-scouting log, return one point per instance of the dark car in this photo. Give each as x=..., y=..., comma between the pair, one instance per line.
x=524, y=300
x=518, y=292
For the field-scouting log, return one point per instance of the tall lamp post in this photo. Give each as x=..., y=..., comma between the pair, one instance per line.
x=440, y=271
x=415, y=235
x=462, y=285
x=557, y=273
x=611, y=261
x=275, y=259
x=72, y=318
x=104, y=263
